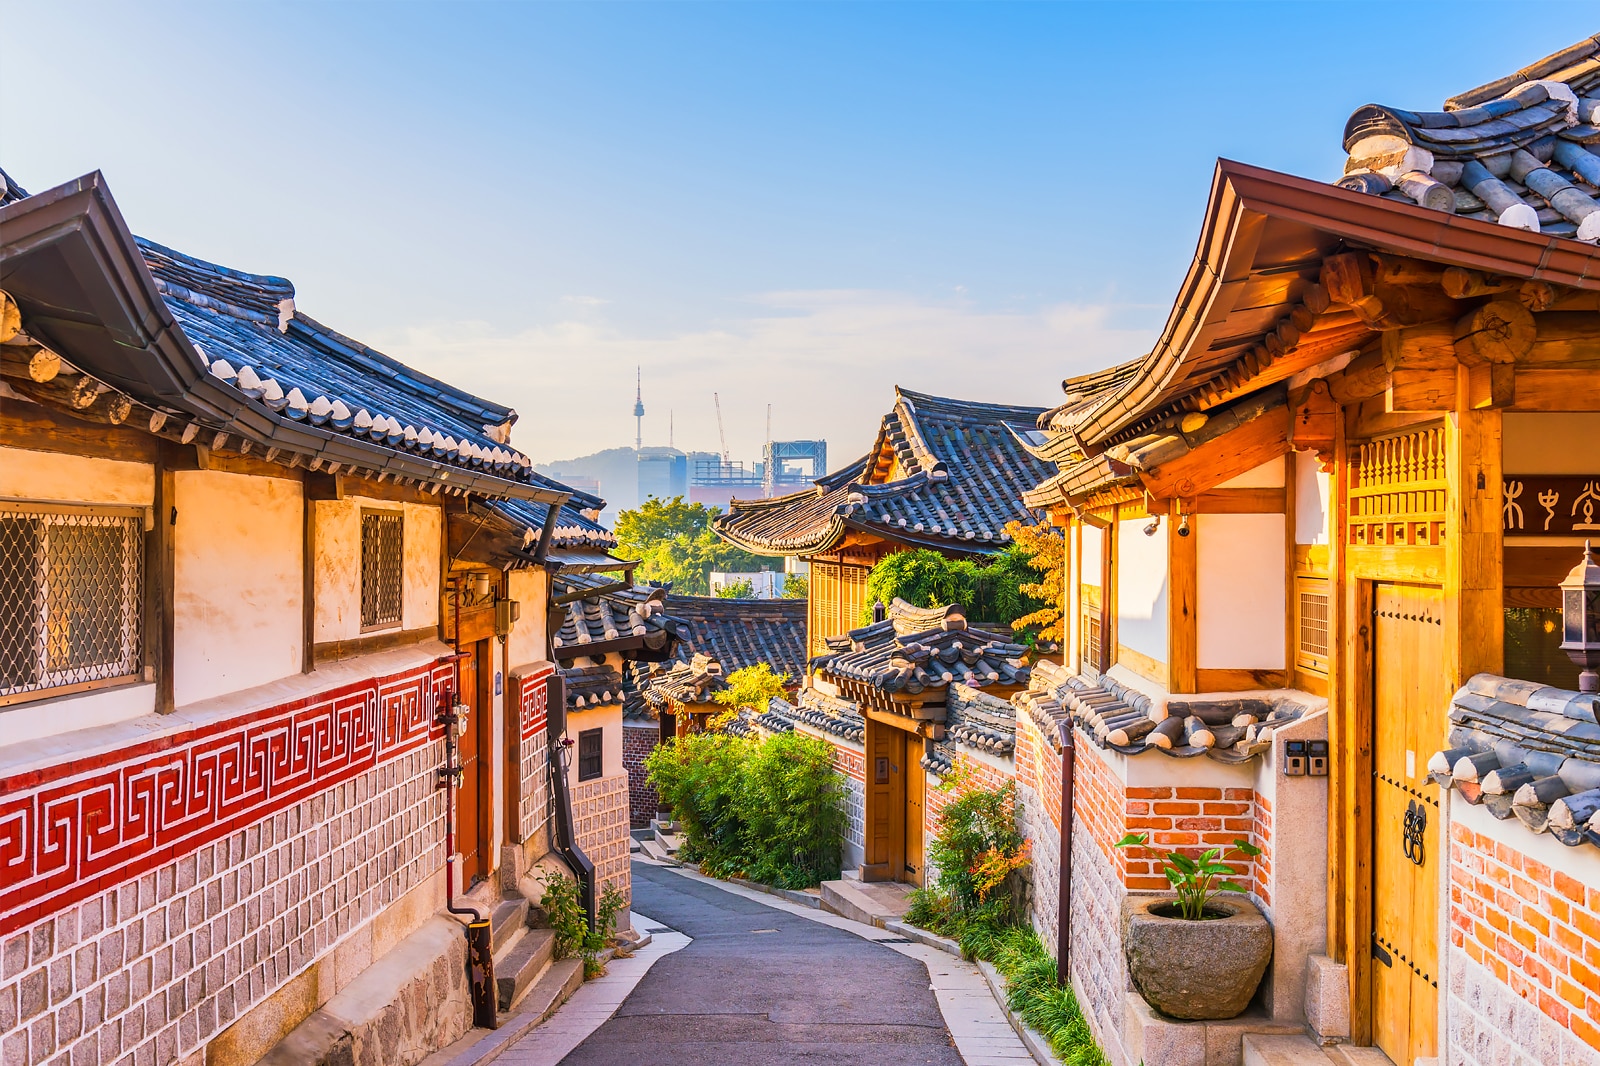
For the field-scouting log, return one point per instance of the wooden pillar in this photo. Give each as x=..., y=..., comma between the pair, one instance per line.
x=308, y=583
x=1474, y=562
x=160, y=583
x=1183, y=634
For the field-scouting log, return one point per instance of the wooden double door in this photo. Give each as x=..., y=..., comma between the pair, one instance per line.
x=894, y=801
x=1411, y=696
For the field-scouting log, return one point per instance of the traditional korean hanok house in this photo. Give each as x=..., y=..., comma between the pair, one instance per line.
x=724, y=635
x=890, y=691
x=1344, y=485
x=238, y=618
x=942, y=474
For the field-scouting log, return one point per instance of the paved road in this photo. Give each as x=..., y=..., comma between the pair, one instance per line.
x=764, y=988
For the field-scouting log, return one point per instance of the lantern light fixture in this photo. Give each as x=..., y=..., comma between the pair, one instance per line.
x=1580, y=619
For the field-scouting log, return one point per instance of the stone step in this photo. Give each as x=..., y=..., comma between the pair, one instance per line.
x=555, y=987
x=520, y=965
x=870, y=902
x=1261, y=1050
x=656, y=850
x=1345, y=1055
x=508, y=918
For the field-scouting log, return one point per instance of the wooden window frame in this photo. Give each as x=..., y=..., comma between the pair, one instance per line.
x=1307, y=660
x=136, y=578
x=597, y=737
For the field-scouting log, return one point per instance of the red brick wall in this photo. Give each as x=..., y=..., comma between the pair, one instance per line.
x=1188, y=820
x=1537, y=930
x=935, y=799
x=848, y=762
x=637, y=744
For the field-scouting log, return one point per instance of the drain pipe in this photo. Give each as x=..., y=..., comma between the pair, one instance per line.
x=1064, y=865
x=479, y=932
x=567, y=841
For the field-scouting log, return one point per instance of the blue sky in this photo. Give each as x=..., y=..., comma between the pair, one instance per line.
x=801, y=205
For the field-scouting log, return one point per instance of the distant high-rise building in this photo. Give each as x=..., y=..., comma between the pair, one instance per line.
x=663, y=472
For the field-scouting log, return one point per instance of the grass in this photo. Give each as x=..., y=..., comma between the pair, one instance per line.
x=1046, y=1005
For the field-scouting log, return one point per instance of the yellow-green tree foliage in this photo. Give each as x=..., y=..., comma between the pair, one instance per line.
x=1046, y=552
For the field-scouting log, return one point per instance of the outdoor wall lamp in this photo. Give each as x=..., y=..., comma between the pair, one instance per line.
x=1580, y=619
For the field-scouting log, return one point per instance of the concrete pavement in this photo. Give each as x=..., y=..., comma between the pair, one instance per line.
x=762, y=983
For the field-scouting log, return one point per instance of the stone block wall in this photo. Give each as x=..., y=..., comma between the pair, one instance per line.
x=600, y=823
x=1099, y=885
x=154, y=893
x=1039, y=794
x=639, y=739
x=1523, y=974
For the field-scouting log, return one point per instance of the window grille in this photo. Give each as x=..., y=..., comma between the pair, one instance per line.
x=1089, y=633
x=71, y=591
x=382, y=553
x=1311, y=608
x=591, y=754
x=855, y=610
x=824, y=595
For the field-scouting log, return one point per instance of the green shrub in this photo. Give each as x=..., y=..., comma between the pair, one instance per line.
x=977, y=847
x=563, y=906
x=990, y=591
x=770, y=811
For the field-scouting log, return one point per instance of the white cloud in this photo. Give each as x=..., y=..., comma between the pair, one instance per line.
x=827, y=361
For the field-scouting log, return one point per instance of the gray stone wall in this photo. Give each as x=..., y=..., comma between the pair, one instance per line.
x=1099, y=974
x=855, y=806
x=1490, y=1025
x=1045, y=871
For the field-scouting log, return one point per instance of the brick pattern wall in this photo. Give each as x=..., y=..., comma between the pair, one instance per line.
x=1188, y=820
x=1099, y=874
x=639, y=739
x=532, y=693
x=147, y=969
x=1261, y=837
x=852, y=765
x=1525, y=958
x=1039, y=794
x=600, y=823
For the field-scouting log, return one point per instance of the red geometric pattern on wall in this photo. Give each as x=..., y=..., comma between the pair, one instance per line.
x=533, y=699
x=79, y=827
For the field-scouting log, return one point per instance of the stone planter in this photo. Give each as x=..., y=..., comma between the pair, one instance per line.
x=1196, y=970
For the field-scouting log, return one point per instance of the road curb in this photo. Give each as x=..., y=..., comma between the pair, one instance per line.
x=1031, y=1038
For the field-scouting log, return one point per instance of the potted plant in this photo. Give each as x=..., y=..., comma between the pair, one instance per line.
x=1196, y=954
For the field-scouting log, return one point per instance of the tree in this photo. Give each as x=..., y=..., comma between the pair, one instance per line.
x=1046, y=552
x=675, y=544
x=742, y=589
x=752, y=686
x=796, y=586
x=1000, y=588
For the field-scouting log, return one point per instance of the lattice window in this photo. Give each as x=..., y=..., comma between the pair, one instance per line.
x=1089, y=620
x=1398, y=490
x=854, y=609
x=71, y=591
x=824, y=604
x=591, y=754
x=382, y=565
x=1312, y=622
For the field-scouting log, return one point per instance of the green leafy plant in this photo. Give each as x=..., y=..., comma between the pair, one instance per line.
x=1196, y=880
x=563, y=907
x=742, y=589
x=771, y=811
x=796, y=586
x=991, y=590
x=752, y=686
x=976, y=845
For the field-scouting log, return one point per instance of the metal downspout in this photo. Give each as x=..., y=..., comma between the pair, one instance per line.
x=1064, y=866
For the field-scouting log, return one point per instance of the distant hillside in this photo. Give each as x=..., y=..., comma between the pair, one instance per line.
x=617, y=470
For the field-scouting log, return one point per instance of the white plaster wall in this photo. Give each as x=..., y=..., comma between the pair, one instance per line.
x=1093, y=564
x=1240, y=591
x=1142, y=588
x=84, y=710
x=608, y=718
x=526, y=644
x=48, y=476
x=237, y=588
x=1313, y=499
x=1269, y=475
x=419, y=602
x=338, y=563
x=1553, y=443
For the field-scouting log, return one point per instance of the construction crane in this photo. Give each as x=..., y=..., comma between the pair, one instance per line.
x=717, y=400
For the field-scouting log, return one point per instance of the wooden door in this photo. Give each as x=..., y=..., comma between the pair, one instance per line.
x=1411, y=694
x=916, y=783
x=884, y=802
x=472, y=801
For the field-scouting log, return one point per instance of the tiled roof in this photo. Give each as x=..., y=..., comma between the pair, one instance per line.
x=959, y=472
x=624, y=615
x=1526, y=750
x=1128, y=721
x=827, y=714
x=239, y=368
x=740, y=633
x=981, y=722
x=773, y=720
x=1521, y=151
x=1082, y=393
x=597, y=685
x=574, y=528
x=253, y=339
x=915, y=649
x=694, y=682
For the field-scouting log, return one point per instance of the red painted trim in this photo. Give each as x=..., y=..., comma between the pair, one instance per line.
x=79, y=827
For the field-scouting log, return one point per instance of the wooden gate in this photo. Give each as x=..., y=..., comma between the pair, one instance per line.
x=1411, y=694
x=472, y=798
x=916, y=786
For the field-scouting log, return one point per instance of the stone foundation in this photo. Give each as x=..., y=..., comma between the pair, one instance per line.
x=600, y=823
